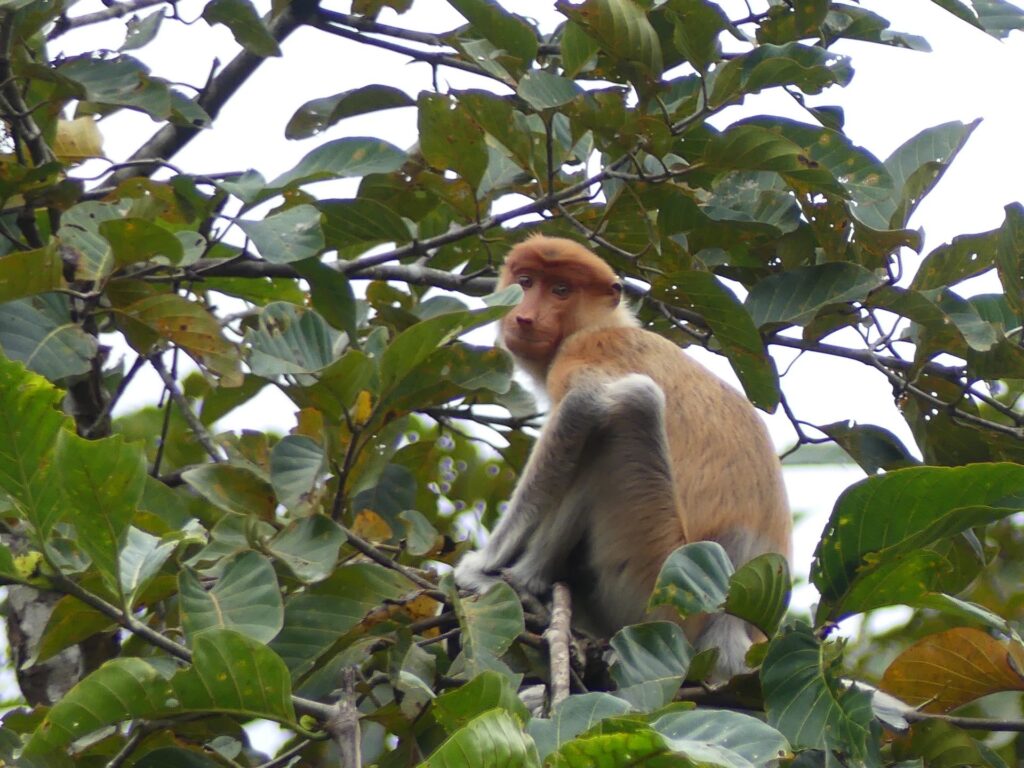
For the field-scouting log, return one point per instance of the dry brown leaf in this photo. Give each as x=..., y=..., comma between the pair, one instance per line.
x=949, y=669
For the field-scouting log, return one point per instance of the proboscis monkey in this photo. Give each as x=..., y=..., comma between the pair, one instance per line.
x=644, y=450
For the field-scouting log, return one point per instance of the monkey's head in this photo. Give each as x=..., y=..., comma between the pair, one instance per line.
x=565, y=288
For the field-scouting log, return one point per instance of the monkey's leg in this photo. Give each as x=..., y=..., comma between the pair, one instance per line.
x=620, y=509
x=537, y=505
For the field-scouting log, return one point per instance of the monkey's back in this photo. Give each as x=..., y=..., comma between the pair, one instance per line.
x=726, y=473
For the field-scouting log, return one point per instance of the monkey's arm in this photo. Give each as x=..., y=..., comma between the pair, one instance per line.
x=538, y=499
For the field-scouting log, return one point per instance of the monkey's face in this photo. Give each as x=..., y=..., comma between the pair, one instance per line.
x=535, y=327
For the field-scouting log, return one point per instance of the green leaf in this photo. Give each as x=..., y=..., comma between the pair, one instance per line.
x=101, y=481
x=289, y=340
x=132, y=240
x=625, y=742
x=82, y=245
x=502, y=29
x=245, y=24
x=121, y=82
x=873, y=448
x=733, y=328
x=884, y=525
x=291, y=235
x=26, y=273
x=318, y=616
x=652, y=658
x=332, y=296
x=996, y=17
x=488, y=690
x=809, y=67
x=1010, y=257
x=230, y=674
x=309, y=547
x=578, y=49
x=853, y=23
x=746, y=737
x=543, y=90
x=141, y=32
x=621, y=28
x=915, y=167
x=141, y=559
x=794, y=297
x=450, y=138
x=493, y=740
x=39, y=333
x=806, y=703
x=414, y=345
x=694, y=579
x=961, y=258
x=361, y=221
x=233, y=488
x=317, y=115
x=30, y=420
x=759, y=592
x=490, y=623
x=296, y=467
x=421, y=537
x=696, y=27
x=350, y=157
x=571, y=717
x=70, y=622
x=246, y=599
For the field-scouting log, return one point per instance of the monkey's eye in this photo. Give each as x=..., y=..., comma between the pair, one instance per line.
x=561, y=290
x=524, y=281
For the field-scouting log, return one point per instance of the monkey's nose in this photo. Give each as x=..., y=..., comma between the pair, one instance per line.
x=524, y=320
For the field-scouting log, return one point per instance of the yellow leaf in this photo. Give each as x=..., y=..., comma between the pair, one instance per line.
x=363, y=408
x=78, y=139
x=310, y=424
x=371, y=526
x=949, y=669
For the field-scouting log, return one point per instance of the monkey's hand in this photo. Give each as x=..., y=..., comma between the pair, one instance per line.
x=471, y=573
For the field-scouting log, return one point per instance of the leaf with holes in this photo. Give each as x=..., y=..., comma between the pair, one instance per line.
x=878, y=546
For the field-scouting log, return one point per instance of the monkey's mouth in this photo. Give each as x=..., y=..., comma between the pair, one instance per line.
x=528, y=345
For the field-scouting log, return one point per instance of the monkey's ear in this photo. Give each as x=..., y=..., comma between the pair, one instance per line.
x=616, y=293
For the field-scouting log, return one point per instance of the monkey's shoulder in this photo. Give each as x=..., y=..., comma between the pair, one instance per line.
x=617, y=351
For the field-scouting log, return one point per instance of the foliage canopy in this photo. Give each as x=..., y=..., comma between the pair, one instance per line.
x=197, y=579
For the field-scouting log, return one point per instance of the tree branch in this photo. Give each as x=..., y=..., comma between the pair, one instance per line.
x=343, y=724
x=557, y=636
x=166, y=142
x=197, y=427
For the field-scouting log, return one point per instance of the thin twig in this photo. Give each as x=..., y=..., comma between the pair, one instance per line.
x=198, y=428
x=379, y=557
x=968, y=723
x=112, y=11
x=557, y=636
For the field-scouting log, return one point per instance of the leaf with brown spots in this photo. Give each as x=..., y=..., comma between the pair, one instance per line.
x=952, y=668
